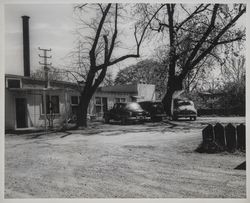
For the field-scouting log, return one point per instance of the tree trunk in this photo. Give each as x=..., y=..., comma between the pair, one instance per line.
x=174, y=84
x=167, y=101
x=83, y=111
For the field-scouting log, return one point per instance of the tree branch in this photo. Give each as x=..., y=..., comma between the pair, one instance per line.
x=230, y=40
x=215, y=41
x=99, y=79
x=115, y=33
x=201, y=41
x=197, y=10
x=138, y=43
x=172, y=53
x=106, y=50
x=97, y=36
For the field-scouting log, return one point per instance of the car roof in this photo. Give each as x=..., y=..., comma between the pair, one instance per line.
x=157, y=101
x=125, y=102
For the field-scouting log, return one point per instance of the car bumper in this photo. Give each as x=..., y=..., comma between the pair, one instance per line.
x=185, y=115
x=158, y=116
x=137, y=118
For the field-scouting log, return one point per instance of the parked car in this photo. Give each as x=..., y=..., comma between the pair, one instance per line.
x=126, y=112
x=184, y=109
x=154, y=108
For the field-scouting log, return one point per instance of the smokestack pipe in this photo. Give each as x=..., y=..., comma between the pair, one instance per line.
x=26, y=46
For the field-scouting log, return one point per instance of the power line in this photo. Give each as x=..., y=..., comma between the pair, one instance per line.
x=45, y=63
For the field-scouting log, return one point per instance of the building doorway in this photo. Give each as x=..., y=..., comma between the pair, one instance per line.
x=21, y=115
x=101, y=105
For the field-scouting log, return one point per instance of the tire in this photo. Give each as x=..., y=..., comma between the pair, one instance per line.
x=156, y=119
x=159, y=119
x=123, y=121
x=174, y=118
x=106, y=119
x=194, y=118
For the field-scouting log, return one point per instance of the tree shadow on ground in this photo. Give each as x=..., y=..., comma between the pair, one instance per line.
x=115, y=128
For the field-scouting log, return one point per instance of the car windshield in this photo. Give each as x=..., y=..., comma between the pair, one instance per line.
x=133, y=106
x=157, y=105
x=184, y=103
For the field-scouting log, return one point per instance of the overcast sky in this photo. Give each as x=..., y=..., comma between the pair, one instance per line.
x=51, y=26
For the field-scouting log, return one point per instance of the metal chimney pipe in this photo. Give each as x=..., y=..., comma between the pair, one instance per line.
x=26, y=46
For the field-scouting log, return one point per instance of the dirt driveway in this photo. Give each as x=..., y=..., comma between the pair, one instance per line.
x=152, y=160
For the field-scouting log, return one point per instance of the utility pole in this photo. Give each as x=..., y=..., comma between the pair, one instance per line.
x=45, y=64
x=46, y=69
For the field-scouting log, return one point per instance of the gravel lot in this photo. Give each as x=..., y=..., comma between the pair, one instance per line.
x=152, y=160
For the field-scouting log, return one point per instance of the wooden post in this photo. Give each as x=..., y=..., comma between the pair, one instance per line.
x=219, y=133
x=45, y=108
x=231, y=139
x=208, y=134
x=241, y=136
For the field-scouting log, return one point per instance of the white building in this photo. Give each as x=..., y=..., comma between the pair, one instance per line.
x=24, y=100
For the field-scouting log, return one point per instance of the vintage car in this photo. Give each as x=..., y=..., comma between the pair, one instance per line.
x=183, y=109
x=154, y=108
x=126, y=112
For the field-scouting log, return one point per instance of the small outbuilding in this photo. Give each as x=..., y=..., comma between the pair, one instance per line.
x=26, y=99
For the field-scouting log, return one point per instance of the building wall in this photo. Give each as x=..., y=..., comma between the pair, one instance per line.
x=58, y=117
x=35, y=117
x=111, y=99
x=10, y=113
x=146, y=92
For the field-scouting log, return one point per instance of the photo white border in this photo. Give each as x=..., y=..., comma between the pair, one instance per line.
x=147, y=200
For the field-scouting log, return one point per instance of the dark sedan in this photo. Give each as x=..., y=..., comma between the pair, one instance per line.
x=126, y=112
x=155, y=109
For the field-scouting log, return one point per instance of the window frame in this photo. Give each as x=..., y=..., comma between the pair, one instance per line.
x=119, y=100
x=99, y=105
x=7, y=83
x=78, y=100
x=42, y=104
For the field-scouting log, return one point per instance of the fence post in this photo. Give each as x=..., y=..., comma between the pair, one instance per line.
x=219, y=133
x=208, y=134
x=231, y=139
x=241, y=136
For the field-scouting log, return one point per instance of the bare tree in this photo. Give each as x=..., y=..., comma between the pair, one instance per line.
x=234, y=69
x=101, y=25
x=194, y=32
x=54, y=74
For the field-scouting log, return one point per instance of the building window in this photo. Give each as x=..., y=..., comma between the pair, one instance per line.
x=52, y=104
x=98, y=101
x=13, y=83
x=120, y=100
x=55, y=103
x=75, y=100
x=101, y=105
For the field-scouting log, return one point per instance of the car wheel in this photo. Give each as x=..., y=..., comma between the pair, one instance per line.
x=106, y=119
x=194, y=118
x=156, y=119
x=174, y=118
x=191, y=118
x=159, y=119
x=123, y=121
